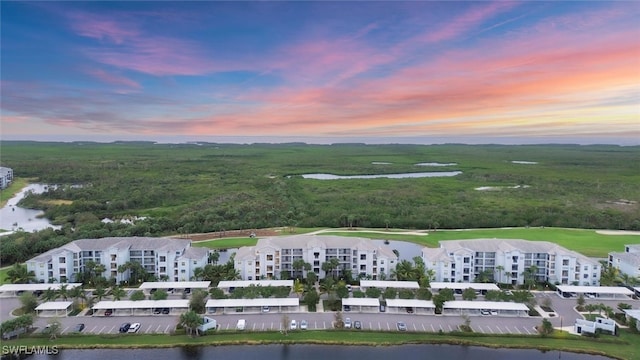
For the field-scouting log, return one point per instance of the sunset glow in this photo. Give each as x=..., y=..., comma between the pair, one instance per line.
x=478, y=71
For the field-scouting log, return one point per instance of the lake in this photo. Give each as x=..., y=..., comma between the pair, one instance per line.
x=388, y=176
x=319, y=352
x=13, y=217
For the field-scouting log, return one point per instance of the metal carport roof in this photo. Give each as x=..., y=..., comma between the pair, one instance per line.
x=54, y=305
x=36, y=287
x=142, y=304
x=361, y=302
x=595, y=289
x=462, y=286
x=252, y=302
x=410, y=303
x=175, y=285
x=247, y=283
x=488, y=305
x=390, y=284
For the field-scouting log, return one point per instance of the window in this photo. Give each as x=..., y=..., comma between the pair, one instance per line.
x=163, y=258
x=195, y=262
x=269, y=257
x=182, y=271
x=62, y=260
x=565, y=262
x=183, y=263
x=363, y=256
x=586, y=276
x=113, y=257
x=466, y=260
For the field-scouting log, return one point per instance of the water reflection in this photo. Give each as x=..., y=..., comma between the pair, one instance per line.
x=13, y=217
x=388, y=176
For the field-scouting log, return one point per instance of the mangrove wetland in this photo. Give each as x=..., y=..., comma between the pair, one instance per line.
x=173, y=189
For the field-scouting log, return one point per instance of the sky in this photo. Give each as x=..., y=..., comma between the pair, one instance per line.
x=321, y=71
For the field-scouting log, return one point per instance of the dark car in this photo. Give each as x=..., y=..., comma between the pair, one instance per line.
x=165, y=311
x=347, y=308
x=108, y=312
x=157, y=311
x=125, y=327
x=357, y=325
x=78, y=328
x=409, y=310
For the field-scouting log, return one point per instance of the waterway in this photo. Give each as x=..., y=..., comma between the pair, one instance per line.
x=389, y=176
x=14, y=217
x=319, y=352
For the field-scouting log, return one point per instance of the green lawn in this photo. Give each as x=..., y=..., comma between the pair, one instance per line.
x=226, y=243
x=625, y=346
x=3, y=274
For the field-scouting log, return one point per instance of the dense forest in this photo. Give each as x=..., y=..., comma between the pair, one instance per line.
x=204, y=187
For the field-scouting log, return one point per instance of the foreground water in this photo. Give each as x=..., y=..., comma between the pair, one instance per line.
x=14, y=217
x=319, y=352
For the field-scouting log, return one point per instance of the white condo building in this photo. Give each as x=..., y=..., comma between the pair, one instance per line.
x=627, y=262
x=174, y=259
x=270, y=257
x=506, y=260
x=6, y=177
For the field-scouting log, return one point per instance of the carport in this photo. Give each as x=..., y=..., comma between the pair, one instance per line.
x=230, y=285
x=54, y=308
x=252, y=305
x=479, y=287
x=475, y=308
x=13, y=289
x=380, y=284
x=175, y=285
x=361, y=304
x=594, y=292
x=416, y=306
x=142, y=307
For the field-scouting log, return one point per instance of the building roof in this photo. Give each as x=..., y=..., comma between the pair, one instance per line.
x=462, y=286
x=130, y=243
x=175, y=285
x=142, y=304
x=390, y=284
x=246, y=283
x=619, y=290
x=36, y=287
x=488, y=305
x=195, y=253
x=361, y=302
x=435, y=254
x=631, y=258
x=634, y=313
x=410, y=303
x=54, y=305
x=222, y=303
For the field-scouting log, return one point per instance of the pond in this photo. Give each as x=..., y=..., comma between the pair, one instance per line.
x=436, y=164
x=320, y=352
x=388, y=176
x=14, y=217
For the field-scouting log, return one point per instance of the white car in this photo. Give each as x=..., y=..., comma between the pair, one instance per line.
x=293, y=325
x=303, y=325
x=347, y=323
x=134, y=328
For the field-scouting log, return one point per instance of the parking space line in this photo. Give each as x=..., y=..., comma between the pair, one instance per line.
x=441, y=328
x=65, y=330
x=227, y=326
x=111, y=330
x=527, y=330
x=167, y=329
x=432, y=328
x=498, y=327
x=490, y=330
x=450, y=328
x=507, y=329
x=101, y=330
x=94, y=328
x=148, y=329
x=388, y=327
x=423, y=328
x=158, y=328
x=379, y=326
x=324, y=324
x=518, y=331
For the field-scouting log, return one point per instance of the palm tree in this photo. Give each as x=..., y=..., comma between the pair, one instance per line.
x=19, y=274
x=63, y=291
x=50, y=295
x=298, y=287
x=499, y=269
x=190, y=322
x=117, y=293
x=100, y=292
x=77, y=293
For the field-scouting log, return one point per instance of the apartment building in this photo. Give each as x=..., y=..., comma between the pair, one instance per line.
x=6, y=177
x=171, y=259
x=627, y=262
x=505, y=261
x=271, y=257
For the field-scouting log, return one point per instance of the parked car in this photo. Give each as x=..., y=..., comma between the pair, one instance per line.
x=401, y=326
x=242, y=323
x=293, y=325
x=78, y=328
x=485, y=312
x=347, y=323
x=134, y=328
x=303, y=325
x=349, y=287
x=265, y=309
x=187, y=291
x=382, y=308
x=125, y=327
x=347, y=308
x=157, y=311
x=494, y=312
x=108, y=312
x=166, y=311
x=357, y=325
x=409, y=310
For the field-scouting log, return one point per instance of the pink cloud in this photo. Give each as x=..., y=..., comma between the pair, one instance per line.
x=101, y=28
x=114, y=79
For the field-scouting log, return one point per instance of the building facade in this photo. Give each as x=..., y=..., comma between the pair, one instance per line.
x=6, y=177
x=170, y=259
x=510, y=261
x=627, y=262
x=273, y=258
